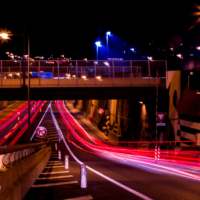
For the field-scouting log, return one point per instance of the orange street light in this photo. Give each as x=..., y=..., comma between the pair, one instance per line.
x=4, y=36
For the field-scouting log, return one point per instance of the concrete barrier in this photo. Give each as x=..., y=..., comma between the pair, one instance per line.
x=19, y=178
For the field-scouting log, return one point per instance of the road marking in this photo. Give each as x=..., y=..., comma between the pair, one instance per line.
x=53, y=138
x=55, y=166
x=89, y=197
x=100, y=174
x=40, y=121
x=60, y=172
x=54, y=184
x=8, y=106
x=68, y=176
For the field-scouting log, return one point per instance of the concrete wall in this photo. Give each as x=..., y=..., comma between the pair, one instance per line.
x=18, y=179
x=138, y=127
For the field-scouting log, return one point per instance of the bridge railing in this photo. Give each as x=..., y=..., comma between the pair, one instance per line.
x=83, y=72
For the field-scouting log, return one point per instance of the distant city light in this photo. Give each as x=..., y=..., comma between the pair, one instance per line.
x=132, y=49
x=107, y=64
x=191, y=55
x=179, y=55
x=98, y=77
x=171, y=49
x=150, y=58
x=198, y=48
x=84, y=77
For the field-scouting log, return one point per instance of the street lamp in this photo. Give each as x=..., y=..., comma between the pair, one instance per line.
x=4, y=36
x=108, y=33
x=98, y=44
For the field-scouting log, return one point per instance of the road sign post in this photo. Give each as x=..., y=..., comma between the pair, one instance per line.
x=41, y=132
x=100, y=111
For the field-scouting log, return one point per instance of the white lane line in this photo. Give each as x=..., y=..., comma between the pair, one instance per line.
x=40, y=121
x=60, y=172
x=89, y=197
x=54, y=184
x=55, y=177
x=52, y=138
x=8, y=106
x=55, y=166
x=100, y=174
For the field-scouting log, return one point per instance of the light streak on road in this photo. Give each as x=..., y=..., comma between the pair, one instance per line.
x=116, y=152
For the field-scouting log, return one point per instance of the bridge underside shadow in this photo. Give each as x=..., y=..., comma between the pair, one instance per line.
x=68, y=93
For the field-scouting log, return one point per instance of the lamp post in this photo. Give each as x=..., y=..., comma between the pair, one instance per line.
x=29, y=115
x=5, y=36
x=108, y=33
x=98, y=44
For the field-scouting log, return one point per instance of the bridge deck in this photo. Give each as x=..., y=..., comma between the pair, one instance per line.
x=91, y=82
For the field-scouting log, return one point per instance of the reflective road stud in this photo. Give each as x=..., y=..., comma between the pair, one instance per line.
x=66, y=162
x=83, y=176
x=56, y=147
x=59, y=154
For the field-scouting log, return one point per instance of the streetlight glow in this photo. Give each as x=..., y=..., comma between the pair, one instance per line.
x=98, y=44
x=108, y=33
x=4, y=35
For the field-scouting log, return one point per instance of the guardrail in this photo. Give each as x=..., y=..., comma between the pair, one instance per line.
x=81, y=72
x=12, y=154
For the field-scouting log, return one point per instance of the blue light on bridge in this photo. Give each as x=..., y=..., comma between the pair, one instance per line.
x=43, y=75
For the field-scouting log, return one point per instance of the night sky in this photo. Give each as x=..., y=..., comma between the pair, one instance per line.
x=72, y=28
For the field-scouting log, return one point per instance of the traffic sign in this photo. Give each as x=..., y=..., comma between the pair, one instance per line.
x=161, y=116
x=41, y=132
x=100, y=111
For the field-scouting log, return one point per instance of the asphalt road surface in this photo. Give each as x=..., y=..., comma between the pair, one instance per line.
x=109, y=177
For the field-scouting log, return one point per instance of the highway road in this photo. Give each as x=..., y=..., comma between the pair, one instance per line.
x=114, y=176
x=14, y=120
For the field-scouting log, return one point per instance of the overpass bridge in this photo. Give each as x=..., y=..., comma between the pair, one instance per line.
x=64, y=79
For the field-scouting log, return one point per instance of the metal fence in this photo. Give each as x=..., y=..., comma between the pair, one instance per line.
x=82, y=69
